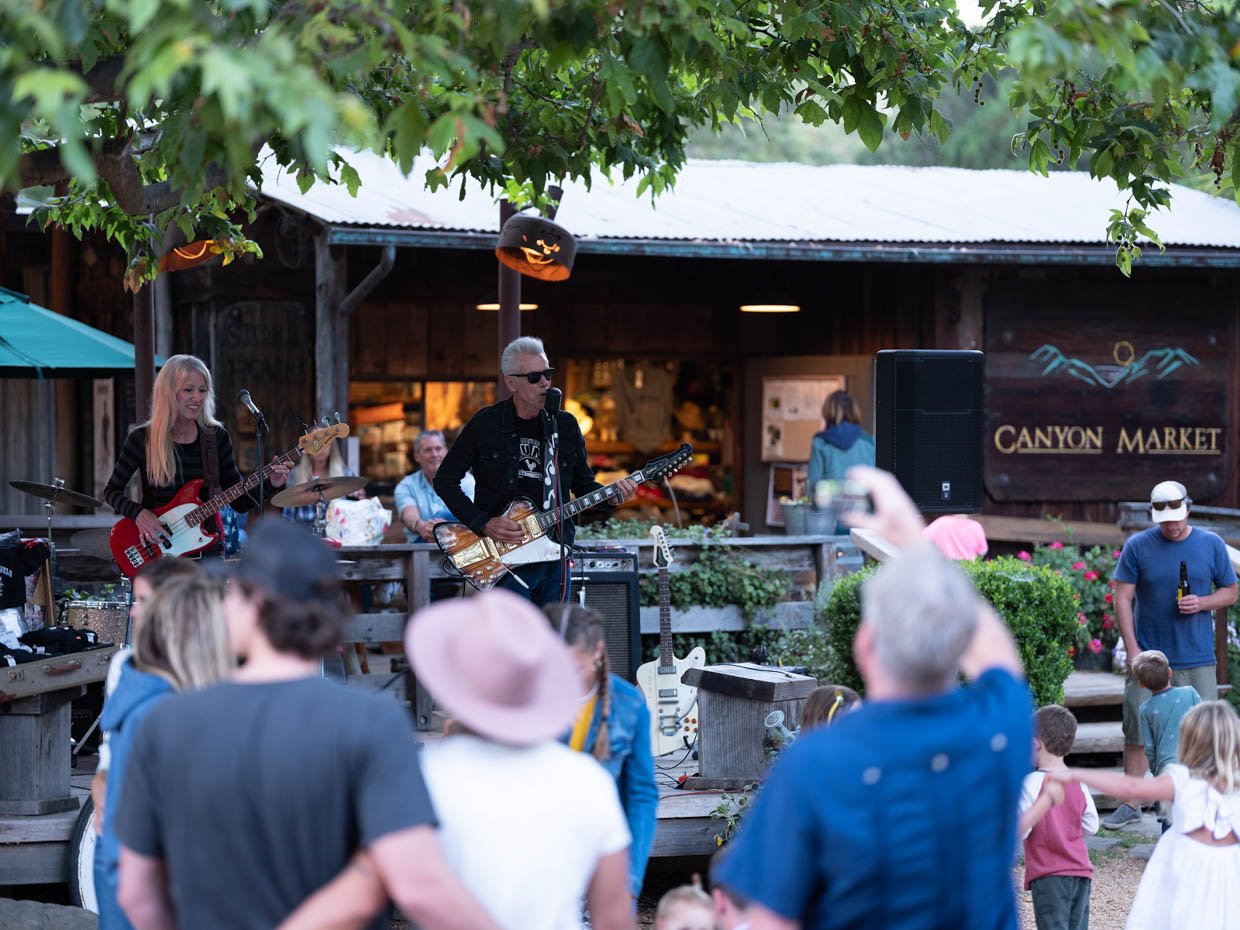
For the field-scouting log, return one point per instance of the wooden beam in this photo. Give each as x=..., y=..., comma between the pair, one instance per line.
x=330, y=270
x=1032, y=530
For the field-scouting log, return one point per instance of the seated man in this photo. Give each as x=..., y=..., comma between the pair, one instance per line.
x=417, y=504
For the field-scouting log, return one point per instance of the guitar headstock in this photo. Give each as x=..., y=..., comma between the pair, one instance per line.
x=662, y=551
x=668, y=464
x=315, y=441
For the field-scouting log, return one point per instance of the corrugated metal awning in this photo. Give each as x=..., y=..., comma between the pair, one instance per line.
x=787, y=211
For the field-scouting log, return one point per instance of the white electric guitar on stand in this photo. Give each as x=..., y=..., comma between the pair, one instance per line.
x=673, y=704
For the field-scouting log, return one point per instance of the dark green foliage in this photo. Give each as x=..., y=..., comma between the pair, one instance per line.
x=1036, y=604
x=807, y=649
x=721, y=577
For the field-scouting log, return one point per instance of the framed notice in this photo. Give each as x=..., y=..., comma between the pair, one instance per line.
x=792, y=414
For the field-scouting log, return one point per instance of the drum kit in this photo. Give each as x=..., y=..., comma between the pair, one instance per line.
x=107, y=617
x=317, y=492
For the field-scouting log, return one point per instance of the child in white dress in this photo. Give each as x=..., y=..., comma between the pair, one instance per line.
x=1193, y=878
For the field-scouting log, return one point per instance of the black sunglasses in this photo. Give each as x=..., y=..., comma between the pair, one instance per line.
x=533, y=377
x=1167, y=505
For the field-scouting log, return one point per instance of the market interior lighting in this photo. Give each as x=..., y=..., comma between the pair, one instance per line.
x=494, y=306
x=770, y=308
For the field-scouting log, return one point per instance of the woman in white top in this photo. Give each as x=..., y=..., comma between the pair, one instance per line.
x=1193, y=877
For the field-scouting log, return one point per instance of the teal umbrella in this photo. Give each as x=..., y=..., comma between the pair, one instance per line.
x=37, y=342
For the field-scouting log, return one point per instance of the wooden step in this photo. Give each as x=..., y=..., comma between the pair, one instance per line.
x=1107, y=736
x=1093, y=689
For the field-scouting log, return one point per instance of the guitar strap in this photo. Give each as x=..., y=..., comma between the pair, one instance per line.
x=210, y=461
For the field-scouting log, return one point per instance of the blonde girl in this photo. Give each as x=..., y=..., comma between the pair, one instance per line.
x=1193, y=877
x=180, y=643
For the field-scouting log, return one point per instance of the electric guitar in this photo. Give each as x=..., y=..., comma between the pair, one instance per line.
x=670, y=701
x=483, y=561
x=189, y=521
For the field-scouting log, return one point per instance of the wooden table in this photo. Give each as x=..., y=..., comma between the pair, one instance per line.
x=417, y=565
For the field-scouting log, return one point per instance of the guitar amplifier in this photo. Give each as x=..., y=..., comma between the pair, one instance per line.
x=608, y=579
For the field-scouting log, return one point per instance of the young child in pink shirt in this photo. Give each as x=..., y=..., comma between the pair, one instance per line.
x=1053, y=825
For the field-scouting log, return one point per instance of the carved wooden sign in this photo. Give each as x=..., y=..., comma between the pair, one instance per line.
x=1086, y=404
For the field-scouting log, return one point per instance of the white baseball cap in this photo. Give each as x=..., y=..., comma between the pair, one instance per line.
x=1169, y=492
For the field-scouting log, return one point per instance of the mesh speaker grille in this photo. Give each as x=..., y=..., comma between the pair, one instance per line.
x=615, y=600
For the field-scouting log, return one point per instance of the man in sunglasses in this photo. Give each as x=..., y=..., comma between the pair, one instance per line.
x=1151, y=616
x=517, y=448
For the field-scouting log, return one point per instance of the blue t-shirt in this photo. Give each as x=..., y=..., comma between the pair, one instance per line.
x=1152, y=563
x=1161, y=716
x=901, y=815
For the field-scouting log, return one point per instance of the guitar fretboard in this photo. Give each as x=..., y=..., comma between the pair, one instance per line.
x=552, y=518
x=228, y=495
x=666, y=657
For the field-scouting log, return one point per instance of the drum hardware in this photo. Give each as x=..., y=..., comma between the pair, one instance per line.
x=318, y=491
x=52, y=494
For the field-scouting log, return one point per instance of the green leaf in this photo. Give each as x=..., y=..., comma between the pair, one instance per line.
x=1123, y=261
x=870, y=129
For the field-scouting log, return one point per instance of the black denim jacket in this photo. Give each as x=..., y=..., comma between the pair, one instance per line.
x=489, y=445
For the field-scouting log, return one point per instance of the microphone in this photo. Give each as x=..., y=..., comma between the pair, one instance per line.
x=552, y=400
x=244, y=397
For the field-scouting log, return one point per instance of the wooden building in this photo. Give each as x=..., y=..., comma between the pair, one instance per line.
x=1097, y=385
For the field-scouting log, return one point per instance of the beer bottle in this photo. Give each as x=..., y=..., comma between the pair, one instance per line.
x=1183, y=590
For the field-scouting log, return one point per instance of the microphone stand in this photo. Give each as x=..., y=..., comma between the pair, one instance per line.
x=260, y=428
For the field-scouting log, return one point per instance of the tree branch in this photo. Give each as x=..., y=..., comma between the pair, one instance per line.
x=115, y=164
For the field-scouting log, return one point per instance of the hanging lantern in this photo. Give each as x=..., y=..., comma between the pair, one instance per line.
x=536, y=247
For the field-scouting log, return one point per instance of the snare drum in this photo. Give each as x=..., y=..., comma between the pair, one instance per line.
x=108, y=619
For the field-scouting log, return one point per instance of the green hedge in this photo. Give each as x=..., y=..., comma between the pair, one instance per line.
x=1036, y=604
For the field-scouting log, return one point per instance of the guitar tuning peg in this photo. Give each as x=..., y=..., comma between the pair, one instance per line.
x=338, y=420
x=305, y=427
x=326, y=421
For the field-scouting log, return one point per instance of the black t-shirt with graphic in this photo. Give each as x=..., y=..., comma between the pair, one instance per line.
x=531, y=470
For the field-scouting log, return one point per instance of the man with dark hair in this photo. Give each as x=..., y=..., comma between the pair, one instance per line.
x=516, y=448
x=244, y=798
x=1153, y=615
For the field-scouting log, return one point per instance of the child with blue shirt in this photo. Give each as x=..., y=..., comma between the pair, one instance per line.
x=1162, y=713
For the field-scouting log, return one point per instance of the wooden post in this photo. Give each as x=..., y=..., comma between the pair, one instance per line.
x=509, y=301
x=330, y=269
x=143, y=350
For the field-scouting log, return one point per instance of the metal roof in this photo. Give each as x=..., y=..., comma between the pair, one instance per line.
x=895, y=210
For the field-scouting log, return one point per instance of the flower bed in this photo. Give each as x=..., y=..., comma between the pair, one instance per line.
x=1089, y=572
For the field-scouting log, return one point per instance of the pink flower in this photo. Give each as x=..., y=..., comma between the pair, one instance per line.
x=1115, y=553
x=1055, y=545
x=1076, y=596
x=1078, y=566
x=1095, y=646
x=1109, y=598
x=1105, y=616
x=1107, y=622
x=1082, y=619
x=1024, y=556
x=1072, y=650
x=1091, y=576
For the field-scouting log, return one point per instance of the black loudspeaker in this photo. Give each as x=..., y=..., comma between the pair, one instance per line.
x=929, y=425
x=610, y=585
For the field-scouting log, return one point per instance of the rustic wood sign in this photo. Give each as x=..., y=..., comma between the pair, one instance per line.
x=1084, y=403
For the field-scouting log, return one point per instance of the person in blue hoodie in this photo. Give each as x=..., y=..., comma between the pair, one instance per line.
x=840, y=446
x=180, y=643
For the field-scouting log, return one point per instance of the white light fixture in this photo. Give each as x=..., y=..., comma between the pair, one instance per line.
x=495, y=306
x=770, y=308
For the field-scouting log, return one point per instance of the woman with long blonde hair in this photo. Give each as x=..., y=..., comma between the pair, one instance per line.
x=180, y=643
x=170, y=449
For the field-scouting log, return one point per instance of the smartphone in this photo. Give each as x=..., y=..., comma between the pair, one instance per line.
x=844, y=496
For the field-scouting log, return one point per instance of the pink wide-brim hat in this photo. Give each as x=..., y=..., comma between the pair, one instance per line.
x=494, y=663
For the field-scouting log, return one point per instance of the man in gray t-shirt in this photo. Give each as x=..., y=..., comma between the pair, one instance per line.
x=243, y=799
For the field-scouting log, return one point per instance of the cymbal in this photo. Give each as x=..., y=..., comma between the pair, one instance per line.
x=93, y=542
x=51, y=492
x=307, y=492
